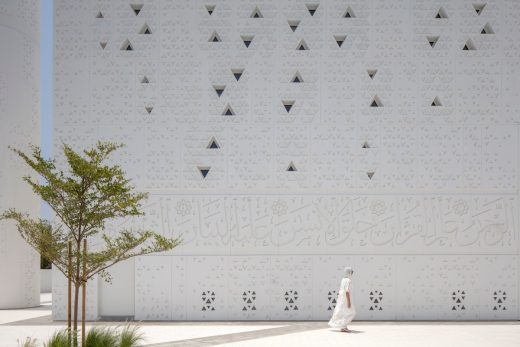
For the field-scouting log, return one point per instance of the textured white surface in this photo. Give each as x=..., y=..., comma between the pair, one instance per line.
x=421, y=200
x=19, y=126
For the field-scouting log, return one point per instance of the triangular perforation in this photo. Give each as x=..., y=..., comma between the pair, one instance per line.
x=441, y=13
x=370, y=174
x=213, y=144
x=210, y=9
x=145, y=80
x=247, y=39
x=469, y=46
x=149, y=109
x=340, y=39
x=228, y=111
x=100, y=15
x=297, y=78
x=365, y=145
x=432, y=40
x=293, y=24
x=136, y=8
x=349, y=13
x=127, y=46
x=302, y=46
x=219, y=89
x=312, y=8
x=372, y=73
x=204, y=170
x=479, y=8
x=237, y=73
x=256, y=13
x=288, y=104
x=376, y=102
x=487, y=29
x=103, y=44
x=291, y=168
x=145, y=30
x=214, y=37
x=436, y=102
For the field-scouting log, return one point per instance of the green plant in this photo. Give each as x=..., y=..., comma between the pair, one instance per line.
x=58, y=339
x=29, y=342
x=84, y=195
x=102, y=337
x=44, y=263
x=130, y=336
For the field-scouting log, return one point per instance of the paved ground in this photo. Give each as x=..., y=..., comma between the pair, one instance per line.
x=37, y=323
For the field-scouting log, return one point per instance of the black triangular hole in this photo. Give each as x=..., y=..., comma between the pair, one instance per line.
x=376, y=102
x=103, y=44
x=479, y=8
x=293, y=24
x=149, y=109
x=487, y=29
x=219, y=89
x=228, y=111
x=136, y=8
x=288, y=104
x=469, y=46
x=237, y=73
x=145, y=80
x=371, y=308
x=256, y=13
x=372, y=73
x=100, y=15
x=247, y=40
x=302, y=46
x=312, y=8
x=370, y=174
x=145, y=30
x=340, y=39
x=210, y=9
x=349, y=13
x=365, y=145
x=291, y=167
x=297, y=78
x=127, y=46
x=204, y=170
x=436, y=102
x=441, y=14
x=214, y=37
x=213, y=144
x=432, y=40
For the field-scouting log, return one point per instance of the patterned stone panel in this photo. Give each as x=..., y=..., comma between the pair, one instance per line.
x=59, y=297
x=153, y=288
x=290, y=287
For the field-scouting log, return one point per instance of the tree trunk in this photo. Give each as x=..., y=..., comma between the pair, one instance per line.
x=75, y=328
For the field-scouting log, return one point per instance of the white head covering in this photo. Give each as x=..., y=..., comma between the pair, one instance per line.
x=347, y=273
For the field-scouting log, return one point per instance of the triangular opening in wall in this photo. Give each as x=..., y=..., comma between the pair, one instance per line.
x=312, y=8
x=100, y=15
x=237, y=73
x=371, y=73
x=441, y=13
x=479, y=8
x=376, y=102
x=127, y=46
x=219, y=89
x=365, y=145
x=297, y=78
x=214, y=37
x=136, y=8
x=293, y=24
x=340, y=39
x=469, y=46
x=370, y=174
x=204, y=170
x=145, y=80
x=228, y=111
x=349, y=13
x=487, y=29
x=288, y=104
x=302, y=46
x=149, y=109
x=436, y=102
x=247, y=39
x=432, y=40
x=145, y=30
x=256, y=13
x=210, y=9
x=291, y=168
x=213, y=144
x=103, y=44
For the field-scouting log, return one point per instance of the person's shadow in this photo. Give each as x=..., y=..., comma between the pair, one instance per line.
x=351, y=331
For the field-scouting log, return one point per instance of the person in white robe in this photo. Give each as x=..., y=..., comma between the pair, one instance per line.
x=344, y=311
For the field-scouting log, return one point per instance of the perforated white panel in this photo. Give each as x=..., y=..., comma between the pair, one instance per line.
x=284, y=141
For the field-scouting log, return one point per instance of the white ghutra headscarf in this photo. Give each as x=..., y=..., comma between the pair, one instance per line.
x=347, y=273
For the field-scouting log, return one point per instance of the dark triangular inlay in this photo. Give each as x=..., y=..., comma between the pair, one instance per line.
x=204, y=170
x=136, y=8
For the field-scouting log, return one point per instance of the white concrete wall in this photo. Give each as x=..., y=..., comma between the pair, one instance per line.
x=427, y=214
x=19, y=126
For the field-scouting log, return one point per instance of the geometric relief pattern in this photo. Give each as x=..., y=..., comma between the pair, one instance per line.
x=458, y=300
x=376, y=297
x=291, y=298
x=332, y=298
x=249, y=298
x=208, y=298
x=499, y=298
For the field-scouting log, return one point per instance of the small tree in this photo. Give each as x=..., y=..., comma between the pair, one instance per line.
x=84, y=197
